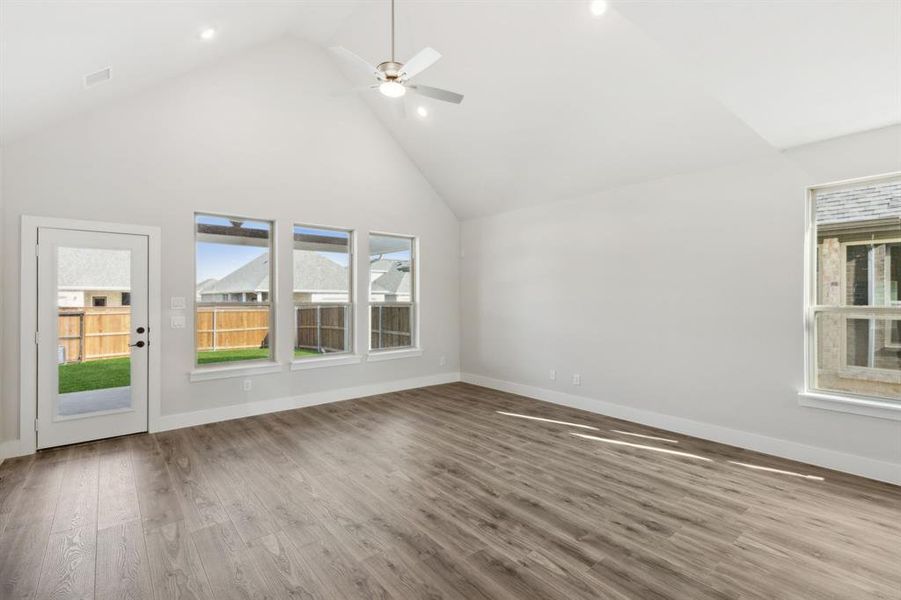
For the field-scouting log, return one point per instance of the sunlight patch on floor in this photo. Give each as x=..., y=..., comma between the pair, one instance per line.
x=641, y=446
x=520, y=416
x=780, y=471
x=647, y=437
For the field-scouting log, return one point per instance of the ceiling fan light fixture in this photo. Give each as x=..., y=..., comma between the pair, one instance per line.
x=392, y=89
x=394, y=77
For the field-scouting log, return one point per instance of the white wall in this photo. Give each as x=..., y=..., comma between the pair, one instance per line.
x=675, y=299
x=259, y=135
x=3, y=410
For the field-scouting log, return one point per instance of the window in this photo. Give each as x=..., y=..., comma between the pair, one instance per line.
x=392, y=292
x=854, y=315
x=126, y=298
x=98, y=301
x=234, y=316
x=323, y=272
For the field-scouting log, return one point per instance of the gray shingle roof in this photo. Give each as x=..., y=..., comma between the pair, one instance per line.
x=381, y=265
x=203, y=285
x=879, y=200
x=94, y=269
x=312, y=273
x=396, y=280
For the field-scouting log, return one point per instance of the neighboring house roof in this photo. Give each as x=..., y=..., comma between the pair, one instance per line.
x=395, y=280
x=879, y=200
x=381, y=265
x=312, y=273
x=205, y=285
x=94, y=269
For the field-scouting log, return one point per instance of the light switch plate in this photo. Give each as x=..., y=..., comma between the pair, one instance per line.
x=177, y=303
x=177, y=321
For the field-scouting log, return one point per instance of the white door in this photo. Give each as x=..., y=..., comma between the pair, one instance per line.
x=93, y=336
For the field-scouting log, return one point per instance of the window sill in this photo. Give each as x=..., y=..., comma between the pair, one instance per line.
x=881, y=409
x=224, y=372
x=326, y=361
x=379, y=355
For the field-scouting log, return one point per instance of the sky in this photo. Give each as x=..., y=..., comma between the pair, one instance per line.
x=215, y=261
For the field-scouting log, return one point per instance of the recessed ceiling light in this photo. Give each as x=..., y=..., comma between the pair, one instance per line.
x=598, y=7
x=422, y=111
x=208, y=34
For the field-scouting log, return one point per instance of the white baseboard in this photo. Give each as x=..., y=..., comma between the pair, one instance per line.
x=12, y=448
x=822, y=457
x=830, y=459
x=236, y=411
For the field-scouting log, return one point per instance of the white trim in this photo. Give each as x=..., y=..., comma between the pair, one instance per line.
x=869, y=407
x=380, y=355
x=855, y=182
x=28, y=236
x=326, y=361
x=272, y=302
x=82, y=288
x=810, y=307
x=415, y=304
x=830, y=459
x=232, y=370
x=13, y=448
x=237, y=411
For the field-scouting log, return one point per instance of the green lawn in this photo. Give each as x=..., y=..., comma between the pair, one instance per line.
x=217, y=356
x=94, y=375
x=116, y=372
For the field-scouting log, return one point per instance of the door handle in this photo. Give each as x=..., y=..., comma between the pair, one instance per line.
x=139, y=344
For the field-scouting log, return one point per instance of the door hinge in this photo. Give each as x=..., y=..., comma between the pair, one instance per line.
x=35, y=425
x=37, y=250
x=37, y=337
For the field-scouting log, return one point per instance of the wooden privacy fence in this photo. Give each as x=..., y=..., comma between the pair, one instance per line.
x=391, y=326
x=231, y=327
x=322, y=327
x=94, y=333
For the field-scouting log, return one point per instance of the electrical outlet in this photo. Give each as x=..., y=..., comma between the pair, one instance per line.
x=248, y=385
x=177, y=321
x=553, y=375
x=577, y=379
x=442, y=362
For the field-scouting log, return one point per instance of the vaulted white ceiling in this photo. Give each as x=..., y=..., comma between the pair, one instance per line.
x=558, y=103
x=47, y=47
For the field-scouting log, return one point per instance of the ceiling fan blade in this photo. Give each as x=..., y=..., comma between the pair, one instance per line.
x=424, y=59
x=437, y=93
x=352, y=59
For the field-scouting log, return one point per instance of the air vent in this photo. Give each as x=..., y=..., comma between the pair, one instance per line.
x=92, y=79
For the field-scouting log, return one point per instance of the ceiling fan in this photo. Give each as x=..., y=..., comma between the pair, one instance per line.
x=393, y=77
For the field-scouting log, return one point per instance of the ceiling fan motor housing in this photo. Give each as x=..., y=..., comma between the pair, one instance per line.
x=390, y=69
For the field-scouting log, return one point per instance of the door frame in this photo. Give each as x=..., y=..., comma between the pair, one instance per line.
x=28, y=316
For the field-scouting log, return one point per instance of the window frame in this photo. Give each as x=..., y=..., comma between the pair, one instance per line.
x=886, y=283
x=811, y=395
x=350, y=310
x=414, y=349
x=240, y=366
